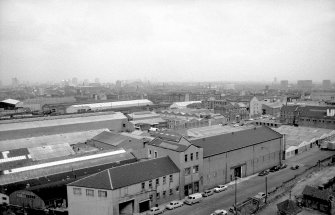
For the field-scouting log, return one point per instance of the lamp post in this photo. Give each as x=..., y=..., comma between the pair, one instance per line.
x=266, y=189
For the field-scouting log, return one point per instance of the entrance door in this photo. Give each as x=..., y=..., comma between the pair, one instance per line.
x=126, y=207
x=296, y=151
x=188, y=189
x=238, y=171
x=144, y=206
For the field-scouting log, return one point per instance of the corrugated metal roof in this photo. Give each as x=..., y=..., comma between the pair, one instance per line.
x=232, y=141
x=119, y=104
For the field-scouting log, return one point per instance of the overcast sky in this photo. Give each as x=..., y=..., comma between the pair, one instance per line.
x=167, y=40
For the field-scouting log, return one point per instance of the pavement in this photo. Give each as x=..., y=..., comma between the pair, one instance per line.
x=250, y=186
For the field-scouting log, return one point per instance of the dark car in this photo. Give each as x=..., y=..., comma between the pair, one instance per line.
x=264, y=172
x=274, y=169
x=283, y=166
x=295, y=167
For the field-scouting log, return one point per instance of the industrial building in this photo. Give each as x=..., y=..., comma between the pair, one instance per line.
x=41, y=126
x=79, y=108
x=127, y=189
x=32, y=174
x=300, y=139
x=238, y=154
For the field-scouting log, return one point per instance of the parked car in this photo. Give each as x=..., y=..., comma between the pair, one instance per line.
x=193, y=198
x=283, y=166
x=264, y=172
x=219, y=212
x=232, y=209
x=156, y=210
x=260, y=195
x=207, y=193
x=274, y=169
x=295, y=167
x=220, y=188
x=174, y=204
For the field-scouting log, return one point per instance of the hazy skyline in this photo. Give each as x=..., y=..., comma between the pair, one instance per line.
x=159, y=40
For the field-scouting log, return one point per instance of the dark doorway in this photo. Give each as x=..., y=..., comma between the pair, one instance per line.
x=126, y=207
x=188, y=189
x=238, y=171
x=296, y=151
x=144, y=206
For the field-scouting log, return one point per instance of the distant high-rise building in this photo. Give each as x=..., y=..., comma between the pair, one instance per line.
x=305, y=84
x=15, y=82
x=75, y=81
x=86, y=82
x=96, y=80
x=284, y=84
x=275, y=80
x=118, y=84
x=326, y=84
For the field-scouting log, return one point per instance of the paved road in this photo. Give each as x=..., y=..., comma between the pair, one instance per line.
x=251, y=187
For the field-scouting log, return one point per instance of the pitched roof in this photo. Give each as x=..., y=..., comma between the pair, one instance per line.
x=129, y=174
x=174, y=146
x=231, y=141
x=288, y=207
x=112, y=138
x=314, y=111
x=317, y=193
x=289, y=108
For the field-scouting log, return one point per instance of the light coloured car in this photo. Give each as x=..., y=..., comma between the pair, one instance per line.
x=219, y=212
x=174, y=204
x=260, y=195
x=156, y=210
x=220, y=188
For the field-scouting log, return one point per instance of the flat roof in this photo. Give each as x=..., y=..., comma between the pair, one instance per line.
x=296, y=135
x=215, y=130
x=70, y=138
x=57, y=122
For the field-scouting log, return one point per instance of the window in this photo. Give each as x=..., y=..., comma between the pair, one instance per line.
x=150, y=152
x=164, y=194
x=171, y=192
x=157, y=195
x=151, y=197
x=150, y=184
x=196, y=169
x=164, y=180
x=171, y=178
x=4, y=198
x=177, y=188
x=143, y=185
x=187, y=171
x=76, y=191
x=89, y=192
x=191, y=157
x=197, y=155
x=157, y=181
x=185, y=158
x=156, y=154
x=102, y=193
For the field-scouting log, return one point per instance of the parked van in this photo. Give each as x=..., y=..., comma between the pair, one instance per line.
x=193, y=198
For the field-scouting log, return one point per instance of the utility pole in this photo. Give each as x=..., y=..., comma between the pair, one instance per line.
x=266, y=189
x=235, y=209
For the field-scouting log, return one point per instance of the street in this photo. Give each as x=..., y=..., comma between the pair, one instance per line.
x=251, y=187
